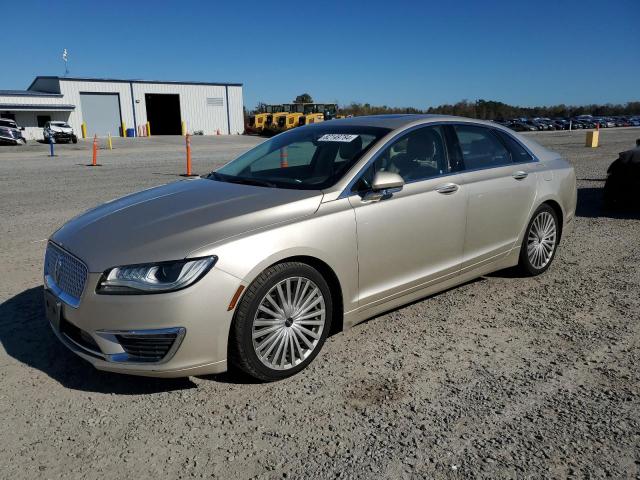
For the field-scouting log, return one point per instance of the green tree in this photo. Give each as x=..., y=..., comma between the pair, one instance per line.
x=304, y=98
x=260, y=107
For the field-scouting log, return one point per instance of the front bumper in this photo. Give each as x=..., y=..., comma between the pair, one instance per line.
x=61, y=136
x=199, y=312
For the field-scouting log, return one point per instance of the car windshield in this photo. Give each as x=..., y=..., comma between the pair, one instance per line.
x=60, y=124
x=7, y=123
x=308, y=158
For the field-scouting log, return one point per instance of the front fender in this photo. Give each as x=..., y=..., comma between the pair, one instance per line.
x=329, y=235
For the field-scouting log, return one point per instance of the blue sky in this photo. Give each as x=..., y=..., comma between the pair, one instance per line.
x=400, y=53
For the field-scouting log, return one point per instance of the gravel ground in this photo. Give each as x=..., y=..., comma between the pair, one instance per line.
x=502, y=377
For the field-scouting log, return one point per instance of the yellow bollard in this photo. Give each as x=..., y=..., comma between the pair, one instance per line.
x=124, y=129
x=83, y=127
x=593, y=138
x=109, y=143
x=184, y=129
x=148, y=129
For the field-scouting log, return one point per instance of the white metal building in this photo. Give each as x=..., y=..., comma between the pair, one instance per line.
x=106, y=105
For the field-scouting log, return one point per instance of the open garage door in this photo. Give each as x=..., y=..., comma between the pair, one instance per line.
x=101, y=113
x=163, y=113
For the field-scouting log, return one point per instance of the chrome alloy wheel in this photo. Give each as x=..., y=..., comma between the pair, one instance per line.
x=541, y=240
x=288, y=323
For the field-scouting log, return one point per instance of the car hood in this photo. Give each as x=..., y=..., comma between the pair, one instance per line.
x=58, y=129
x=170, y=221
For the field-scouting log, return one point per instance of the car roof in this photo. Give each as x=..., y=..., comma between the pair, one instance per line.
x=396, y=121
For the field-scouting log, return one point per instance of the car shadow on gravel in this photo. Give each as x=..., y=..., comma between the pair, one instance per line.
x=26, y=336
x=591, y=205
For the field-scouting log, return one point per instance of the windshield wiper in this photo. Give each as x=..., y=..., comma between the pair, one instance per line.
x=242, y=180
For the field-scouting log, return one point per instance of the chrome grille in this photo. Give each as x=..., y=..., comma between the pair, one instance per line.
x=64, y=274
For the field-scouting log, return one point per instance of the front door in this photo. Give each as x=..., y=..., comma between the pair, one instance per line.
x=414, y=237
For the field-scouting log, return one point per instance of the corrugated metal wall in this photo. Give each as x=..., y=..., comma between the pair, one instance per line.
x=71, y=90
x=204, y=108
x=236, y=110
x=28, y=119
x=33, y=100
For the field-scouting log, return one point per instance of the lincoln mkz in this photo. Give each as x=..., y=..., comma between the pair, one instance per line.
x=308, y=233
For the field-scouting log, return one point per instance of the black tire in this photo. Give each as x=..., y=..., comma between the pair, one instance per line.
x=74, y=139
x=525, y=265
x=242, y=355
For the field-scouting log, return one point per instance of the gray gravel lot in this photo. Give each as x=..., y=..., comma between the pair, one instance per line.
x=503, y=377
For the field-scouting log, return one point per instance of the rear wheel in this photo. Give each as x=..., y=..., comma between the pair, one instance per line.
x=281, y=322
x=540, y=241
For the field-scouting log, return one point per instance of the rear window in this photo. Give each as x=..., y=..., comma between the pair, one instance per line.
x=481, y=148
x=518, y=152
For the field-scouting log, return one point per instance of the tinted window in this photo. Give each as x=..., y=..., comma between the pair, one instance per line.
x=418, y=155
x=481, y=148
x=518, y=153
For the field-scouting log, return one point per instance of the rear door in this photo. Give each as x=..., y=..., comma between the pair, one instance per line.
x=500, y=181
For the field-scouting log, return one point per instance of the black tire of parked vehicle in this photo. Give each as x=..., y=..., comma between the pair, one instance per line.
x=525, y=264
x=74, y=139
x=241, y=354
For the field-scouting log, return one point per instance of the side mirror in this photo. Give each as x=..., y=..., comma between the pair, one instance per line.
x=387, y=181
x=384, y=185
x=22, y=128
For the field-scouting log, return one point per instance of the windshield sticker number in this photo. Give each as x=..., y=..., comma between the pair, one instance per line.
x=337, y=137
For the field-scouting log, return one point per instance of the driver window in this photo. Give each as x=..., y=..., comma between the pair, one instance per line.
x=418, y=155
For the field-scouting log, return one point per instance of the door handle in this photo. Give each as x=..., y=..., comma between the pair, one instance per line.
x=520, y=175
x=447, y=188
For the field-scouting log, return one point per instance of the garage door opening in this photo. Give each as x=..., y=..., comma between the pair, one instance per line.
x=163, y=113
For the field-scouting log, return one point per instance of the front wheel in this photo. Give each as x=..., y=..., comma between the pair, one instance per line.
x=281, y=322
x=540, y=241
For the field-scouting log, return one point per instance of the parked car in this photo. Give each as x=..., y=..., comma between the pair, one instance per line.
x=561, y=124
x=11, y=133
x=57, y=132
x=521, y=127
x=546, y=123
x=622, y=187
x=254, y=264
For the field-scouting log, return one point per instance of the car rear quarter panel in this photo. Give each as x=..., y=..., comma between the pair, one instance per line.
x=557, y=182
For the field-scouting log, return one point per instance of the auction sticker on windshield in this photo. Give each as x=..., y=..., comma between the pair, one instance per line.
x=337, y=137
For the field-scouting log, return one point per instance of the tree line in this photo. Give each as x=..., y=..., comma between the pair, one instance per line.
x=492, y=110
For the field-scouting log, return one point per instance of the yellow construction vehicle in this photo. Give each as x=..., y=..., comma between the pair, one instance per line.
x=259, y=121
x=278, y=120
x=317, y=112
x=293, y=120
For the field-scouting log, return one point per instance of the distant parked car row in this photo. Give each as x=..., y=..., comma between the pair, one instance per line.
x=53, y=132
x=563, y=123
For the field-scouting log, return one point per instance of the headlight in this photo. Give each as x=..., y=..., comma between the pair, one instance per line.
x=154, y=277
